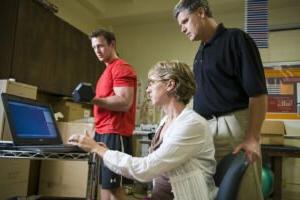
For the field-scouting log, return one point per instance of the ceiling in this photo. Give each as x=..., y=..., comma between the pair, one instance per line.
x=132, y=11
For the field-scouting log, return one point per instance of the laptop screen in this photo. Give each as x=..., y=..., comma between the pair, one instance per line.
x=30, y=122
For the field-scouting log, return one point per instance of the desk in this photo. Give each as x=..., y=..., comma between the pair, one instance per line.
x=276, y=153
x=140, y=138
x=92, y=158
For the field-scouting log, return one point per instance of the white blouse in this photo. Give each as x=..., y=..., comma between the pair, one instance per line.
x=186, y=156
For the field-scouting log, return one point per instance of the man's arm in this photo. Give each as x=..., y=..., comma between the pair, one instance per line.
x=121, y=101
x=257, y=112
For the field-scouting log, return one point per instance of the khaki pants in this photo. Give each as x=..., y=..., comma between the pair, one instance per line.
x=229, y=131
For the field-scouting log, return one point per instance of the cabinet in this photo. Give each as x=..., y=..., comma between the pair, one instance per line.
x=8, y=13
x=43, y=50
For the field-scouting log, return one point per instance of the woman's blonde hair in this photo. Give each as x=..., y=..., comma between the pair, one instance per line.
x=182, y=75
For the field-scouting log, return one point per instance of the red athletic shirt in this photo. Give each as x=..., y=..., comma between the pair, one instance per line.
x=117, y=74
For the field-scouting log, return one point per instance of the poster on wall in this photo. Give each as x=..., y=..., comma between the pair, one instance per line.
x=283, y=84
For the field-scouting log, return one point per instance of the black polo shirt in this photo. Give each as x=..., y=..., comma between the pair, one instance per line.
x=228, y=70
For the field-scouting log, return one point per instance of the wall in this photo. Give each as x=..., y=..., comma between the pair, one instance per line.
x=84, y=21
x=283, y=46
x=144, y=43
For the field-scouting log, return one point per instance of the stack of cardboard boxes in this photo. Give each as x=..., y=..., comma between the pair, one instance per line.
x=65, y=178
x=14, y=174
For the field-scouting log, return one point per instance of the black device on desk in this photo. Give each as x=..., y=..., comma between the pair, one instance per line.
x=33, y=126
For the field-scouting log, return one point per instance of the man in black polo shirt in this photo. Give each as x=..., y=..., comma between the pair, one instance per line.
x=231, y=90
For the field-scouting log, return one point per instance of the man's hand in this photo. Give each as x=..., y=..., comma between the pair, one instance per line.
x=251, y=146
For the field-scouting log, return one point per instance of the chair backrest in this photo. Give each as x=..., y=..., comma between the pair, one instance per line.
x=229, y=173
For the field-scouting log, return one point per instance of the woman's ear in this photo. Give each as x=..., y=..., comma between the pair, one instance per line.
x=171, y=85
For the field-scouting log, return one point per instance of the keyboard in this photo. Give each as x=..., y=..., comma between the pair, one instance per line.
x=63, y=148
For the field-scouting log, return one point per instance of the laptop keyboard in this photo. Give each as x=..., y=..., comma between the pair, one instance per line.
x=52, y=148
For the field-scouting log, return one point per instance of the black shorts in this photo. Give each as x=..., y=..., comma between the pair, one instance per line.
x=107, y=178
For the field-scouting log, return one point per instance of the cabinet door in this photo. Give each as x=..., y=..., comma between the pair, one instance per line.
x=50, y=53
x=8, y=20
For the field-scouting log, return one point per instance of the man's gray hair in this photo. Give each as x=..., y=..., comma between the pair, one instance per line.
x=191, y=6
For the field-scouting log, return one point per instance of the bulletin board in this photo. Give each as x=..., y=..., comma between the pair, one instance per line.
x=283, y=84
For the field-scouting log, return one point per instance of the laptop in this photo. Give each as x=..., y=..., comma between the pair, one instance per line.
x=33, y=126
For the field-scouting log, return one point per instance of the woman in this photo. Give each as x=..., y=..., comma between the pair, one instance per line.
x=181, y=160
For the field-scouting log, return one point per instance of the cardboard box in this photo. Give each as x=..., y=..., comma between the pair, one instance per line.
x=292, y=128
x=65, y=178
x=18, y=89
x=67, y=129
x=272, y=132
x=14, y=176
x=292, y=137
x=291, y=178
x=73, y=111
x=271, y=127
x=274, y=140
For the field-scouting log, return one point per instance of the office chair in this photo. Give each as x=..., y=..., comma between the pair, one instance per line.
x=229, y=173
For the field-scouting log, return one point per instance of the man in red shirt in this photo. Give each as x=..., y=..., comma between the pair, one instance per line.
x=114, y=107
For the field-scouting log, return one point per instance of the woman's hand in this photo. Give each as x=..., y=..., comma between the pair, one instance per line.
x=88, y=144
